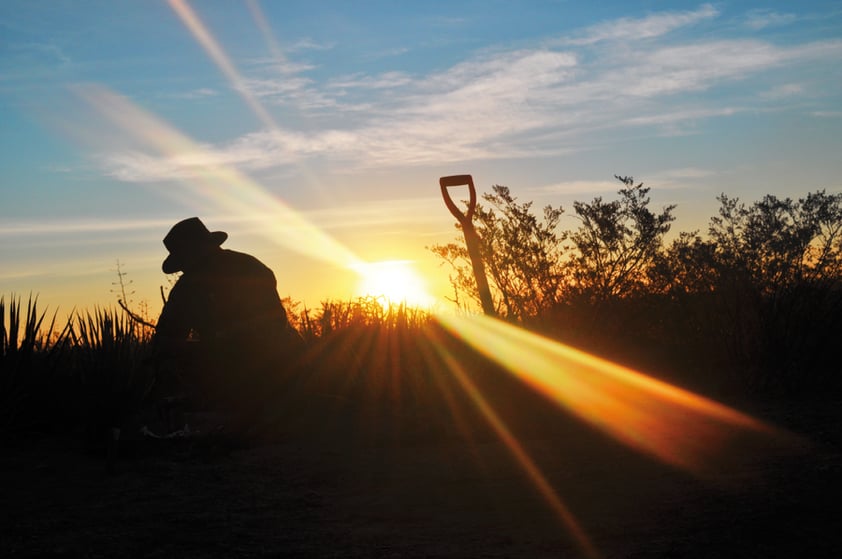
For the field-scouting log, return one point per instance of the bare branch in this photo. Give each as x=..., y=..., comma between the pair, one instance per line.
x=133, y=316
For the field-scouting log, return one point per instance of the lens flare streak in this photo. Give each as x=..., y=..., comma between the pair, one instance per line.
x=520, y=454
x=262, y=24
x=222, y=187
x=217, y=54
x=674, y=425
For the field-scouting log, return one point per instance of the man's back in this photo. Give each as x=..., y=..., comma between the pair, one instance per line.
x=227, y=298
x=223, y=328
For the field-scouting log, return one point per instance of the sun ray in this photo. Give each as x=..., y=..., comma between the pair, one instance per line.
x=217, y=54
x=221, y=187
x=262, y=24
x=675, y=425
x=520, y=454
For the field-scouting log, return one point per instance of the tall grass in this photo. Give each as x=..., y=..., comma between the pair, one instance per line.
x=91, y=371
x=108, y=360
x=30, y=353
x=333, y=316
x=96, y=371
x=376, y=373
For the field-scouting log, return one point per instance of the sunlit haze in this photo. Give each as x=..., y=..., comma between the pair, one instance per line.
x=396, y=281
x=314, y=134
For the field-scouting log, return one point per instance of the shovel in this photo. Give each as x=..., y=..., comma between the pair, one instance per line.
x=471, y=237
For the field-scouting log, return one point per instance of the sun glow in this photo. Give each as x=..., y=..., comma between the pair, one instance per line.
x=395, y=282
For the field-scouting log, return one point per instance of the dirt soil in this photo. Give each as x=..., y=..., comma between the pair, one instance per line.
x=330, y=492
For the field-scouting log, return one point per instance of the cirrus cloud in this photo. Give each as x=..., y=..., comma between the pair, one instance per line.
x=542, y=101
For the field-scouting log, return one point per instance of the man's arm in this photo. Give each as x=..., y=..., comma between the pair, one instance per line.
x=173, y=325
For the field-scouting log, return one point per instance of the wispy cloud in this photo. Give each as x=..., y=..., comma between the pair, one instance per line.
x=25, y=64
x=403, y=213
x=666, y=179
x=529, y=102
x=649, y=27
x=364, y=81
x=57, y=228
x=200, y=93
x=279, y=65
x=578, y=187
x=683, y=173
x=44, y=52
x=761, y=19
x=674, y=179
x=298, y=92
x=783, y=91
x=288, y=86
x=827, y=114
x=681, y=115
x=251, y=152
x=309, y=44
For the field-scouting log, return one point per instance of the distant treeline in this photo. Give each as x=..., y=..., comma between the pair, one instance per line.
x=753, y=305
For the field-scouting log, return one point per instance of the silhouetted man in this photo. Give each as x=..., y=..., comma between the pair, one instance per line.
x=223, y=319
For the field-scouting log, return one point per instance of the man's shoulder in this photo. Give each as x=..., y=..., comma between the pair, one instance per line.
x=233, y=261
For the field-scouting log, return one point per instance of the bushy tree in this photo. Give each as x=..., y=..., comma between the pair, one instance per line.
x=617, y=242
x=688, y=265
x=522, y=254
x=779, y=266
x=755, y=304
x=762, y=292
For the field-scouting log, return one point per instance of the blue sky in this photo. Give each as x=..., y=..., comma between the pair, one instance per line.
x=315, y=132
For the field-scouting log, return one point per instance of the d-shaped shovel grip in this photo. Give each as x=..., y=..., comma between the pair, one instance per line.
x=459, y=180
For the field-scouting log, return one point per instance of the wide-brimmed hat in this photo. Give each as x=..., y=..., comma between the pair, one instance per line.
x=185, y=239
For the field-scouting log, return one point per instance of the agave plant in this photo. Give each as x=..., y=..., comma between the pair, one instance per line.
x=29, y=357
x=109, y=362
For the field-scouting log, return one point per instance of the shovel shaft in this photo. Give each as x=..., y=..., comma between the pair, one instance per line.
x=472, y=240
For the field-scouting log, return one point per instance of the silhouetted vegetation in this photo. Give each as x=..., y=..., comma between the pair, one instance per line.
x=753, y=306
x=96, y=371
x=386, y=409
x=89, y=374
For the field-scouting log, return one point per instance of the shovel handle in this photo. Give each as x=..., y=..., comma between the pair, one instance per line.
x=459, y=180
x=472, y=240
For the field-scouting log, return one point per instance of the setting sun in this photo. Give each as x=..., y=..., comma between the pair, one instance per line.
x=395, y=281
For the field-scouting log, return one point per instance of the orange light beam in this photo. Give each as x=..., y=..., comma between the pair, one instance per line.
x=225, y=188
x=676, y=426
x=528, y=465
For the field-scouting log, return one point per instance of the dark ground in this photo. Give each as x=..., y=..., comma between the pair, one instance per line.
x=328, y=491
